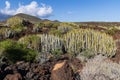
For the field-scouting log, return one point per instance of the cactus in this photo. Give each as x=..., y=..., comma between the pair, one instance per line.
x=42, y=43
x=50, y=43
x=80, y=40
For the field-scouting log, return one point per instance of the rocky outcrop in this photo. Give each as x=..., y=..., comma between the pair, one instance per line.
x=16, y=76
x=62, y=71
x=53, y=69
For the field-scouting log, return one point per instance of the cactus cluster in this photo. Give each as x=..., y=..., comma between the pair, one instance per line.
x=50, y=43
x=42, y=43
x=83, y=41
x=80, y=40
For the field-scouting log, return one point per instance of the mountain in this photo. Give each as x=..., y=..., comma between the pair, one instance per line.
x=28, y=17
x=33, y=19
x=4, y=17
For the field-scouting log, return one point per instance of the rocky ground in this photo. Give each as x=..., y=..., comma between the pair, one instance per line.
x=63, y=68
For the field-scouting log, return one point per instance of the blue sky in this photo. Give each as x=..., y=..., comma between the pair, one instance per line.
x=66, y=10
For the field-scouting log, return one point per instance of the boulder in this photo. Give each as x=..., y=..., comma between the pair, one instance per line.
x=62, y=71
x=15, y=76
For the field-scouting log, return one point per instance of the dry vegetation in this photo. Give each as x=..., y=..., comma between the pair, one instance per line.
x=97, y=45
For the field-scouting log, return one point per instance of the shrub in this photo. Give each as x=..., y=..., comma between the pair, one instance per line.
x=55, y=24
x=16, y=24
x=64, y=29
x=15, y=21
x=16, y=52
x=7, y=32
x=57, y=53
x=80, y=40
x=112, y=31
x=100, y=68
x=48, y=24
x=31, y=41
x=38, y=27
x=55, y=32
x=69, y=24
x=85, y=55
x=44, y=44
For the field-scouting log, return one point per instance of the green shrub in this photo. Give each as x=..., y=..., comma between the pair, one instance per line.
x=112, y=31
x=31, y=41
x=16, y=24
x=55, y=32
x=7, y=32
x=15, y=21
x=16, y=52
x=44, y=44
x=64, y=29
x=57, y=53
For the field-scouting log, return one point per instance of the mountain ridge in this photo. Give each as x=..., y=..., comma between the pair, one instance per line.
x=4, y=17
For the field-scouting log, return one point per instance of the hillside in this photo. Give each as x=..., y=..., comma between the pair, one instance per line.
x=47, y=49
x=28, y=17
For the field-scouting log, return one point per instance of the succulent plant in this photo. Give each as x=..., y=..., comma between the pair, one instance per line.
x=81, y=40
x=42, y=43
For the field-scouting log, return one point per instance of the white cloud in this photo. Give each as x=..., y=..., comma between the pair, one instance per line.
x=7, y=5
x=33, y=9
x=7, y=10
x=44, y=10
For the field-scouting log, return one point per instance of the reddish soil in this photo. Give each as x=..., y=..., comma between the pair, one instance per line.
x=62, y=68
x=116, y=58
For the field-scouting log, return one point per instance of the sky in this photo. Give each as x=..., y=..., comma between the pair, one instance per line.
x=65, y=10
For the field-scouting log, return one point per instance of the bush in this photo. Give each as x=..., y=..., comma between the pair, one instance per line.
x=85, y=55
x=7, y=32
x=16, y=24
x=44, y=44
x=57, y=53
x=64, y=29
x=55, y=32
x=15, y=21
x=16, y=52
x=100, y=68
x=112, y=31
x=31, y=41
